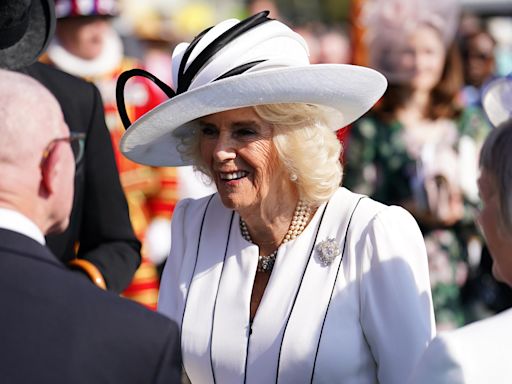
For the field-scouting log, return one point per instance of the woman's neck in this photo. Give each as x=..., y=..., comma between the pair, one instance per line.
x=415, y=108
x=269, y=222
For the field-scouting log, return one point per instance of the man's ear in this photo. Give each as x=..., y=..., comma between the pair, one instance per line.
x=49, y=170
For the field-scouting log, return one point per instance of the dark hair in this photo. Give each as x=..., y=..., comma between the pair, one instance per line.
x=443, y=97
x=465, y=40
x=496, y=158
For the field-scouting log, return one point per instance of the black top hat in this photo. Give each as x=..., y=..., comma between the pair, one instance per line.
x=26, y=28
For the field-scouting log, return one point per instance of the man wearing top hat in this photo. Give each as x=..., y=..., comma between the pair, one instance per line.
x=99, y=241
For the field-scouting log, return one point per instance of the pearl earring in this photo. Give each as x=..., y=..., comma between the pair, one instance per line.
x=293, y=177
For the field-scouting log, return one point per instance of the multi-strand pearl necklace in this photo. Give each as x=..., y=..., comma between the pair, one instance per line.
x=297, y=225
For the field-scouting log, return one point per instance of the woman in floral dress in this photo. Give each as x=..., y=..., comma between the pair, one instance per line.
x=418, y=148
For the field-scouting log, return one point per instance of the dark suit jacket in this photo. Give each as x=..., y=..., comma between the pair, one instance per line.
x=56, y=327
x=99, y=220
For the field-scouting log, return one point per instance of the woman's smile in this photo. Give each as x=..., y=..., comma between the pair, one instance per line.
x=233, y=176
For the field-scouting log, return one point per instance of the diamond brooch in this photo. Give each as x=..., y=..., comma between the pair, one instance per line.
x=327, y=250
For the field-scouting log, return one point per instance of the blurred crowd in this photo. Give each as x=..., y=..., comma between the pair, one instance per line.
x=417, y=148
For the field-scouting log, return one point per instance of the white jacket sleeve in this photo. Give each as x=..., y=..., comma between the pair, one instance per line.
x=396, y=304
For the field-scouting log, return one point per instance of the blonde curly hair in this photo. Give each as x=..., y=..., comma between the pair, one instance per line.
x=306, y=147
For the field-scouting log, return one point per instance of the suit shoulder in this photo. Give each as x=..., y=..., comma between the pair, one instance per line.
x=59, y=81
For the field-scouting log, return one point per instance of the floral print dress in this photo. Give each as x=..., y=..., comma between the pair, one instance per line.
x=391, y=164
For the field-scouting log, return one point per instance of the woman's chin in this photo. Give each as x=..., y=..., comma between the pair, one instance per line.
x=231, y=201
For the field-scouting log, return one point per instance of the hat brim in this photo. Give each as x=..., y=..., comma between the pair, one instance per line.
x=347, y=90
x=41, y=27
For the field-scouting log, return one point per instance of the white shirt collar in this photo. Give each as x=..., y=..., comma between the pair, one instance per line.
x=15, y=221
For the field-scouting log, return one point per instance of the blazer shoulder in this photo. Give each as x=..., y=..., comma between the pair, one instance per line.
x=370, y=211
x=191, y=210
x=61, y=83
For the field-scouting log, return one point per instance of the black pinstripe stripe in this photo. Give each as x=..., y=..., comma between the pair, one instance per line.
x=333, y=286
x=247, y=347
x=217, y=294
x=194, y=270
x=298, y=290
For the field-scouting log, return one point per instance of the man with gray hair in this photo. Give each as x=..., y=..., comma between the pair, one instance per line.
x=55, y=326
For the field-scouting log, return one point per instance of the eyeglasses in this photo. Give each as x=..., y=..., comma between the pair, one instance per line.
x=77, y=142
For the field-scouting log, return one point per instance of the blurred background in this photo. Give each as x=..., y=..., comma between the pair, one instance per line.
x=149, y=22
x=337, y=31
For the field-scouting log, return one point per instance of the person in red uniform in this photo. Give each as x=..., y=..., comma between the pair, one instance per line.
x=86, y=45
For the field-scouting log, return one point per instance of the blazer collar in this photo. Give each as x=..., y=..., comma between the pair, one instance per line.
x=14, y=242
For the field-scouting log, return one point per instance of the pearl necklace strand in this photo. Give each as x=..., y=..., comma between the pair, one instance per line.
x=297, y=225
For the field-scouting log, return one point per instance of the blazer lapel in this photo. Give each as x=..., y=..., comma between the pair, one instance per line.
x=203, y=290
x=303, y=332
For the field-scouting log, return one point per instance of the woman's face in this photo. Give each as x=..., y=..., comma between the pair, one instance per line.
x=424, y=59
x=237, y=147
x=500, y=245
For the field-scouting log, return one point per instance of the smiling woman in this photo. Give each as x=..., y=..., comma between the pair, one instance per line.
x=281, y=247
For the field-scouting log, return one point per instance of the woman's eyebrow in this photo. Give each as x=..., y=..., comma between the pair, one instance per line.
x=203, y=124
x=236, y=124
x=245, y=124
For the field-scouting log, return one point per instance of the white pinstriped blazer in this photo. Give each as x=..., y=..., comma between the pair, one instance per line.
x=365, y=318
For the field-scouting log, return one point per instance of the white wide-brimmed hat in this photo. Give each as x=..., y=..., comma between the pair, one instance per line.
x=239, y=64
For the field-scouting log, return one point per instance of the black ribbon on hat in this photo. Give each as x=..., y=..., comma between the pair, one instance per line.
x=10, y=35
x=185, y=77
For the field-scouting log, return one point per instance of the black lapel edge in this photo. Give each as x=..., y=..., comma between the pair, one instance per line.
x=298, y=290
x=194, y=270
x=217, y=295
x=333, y=287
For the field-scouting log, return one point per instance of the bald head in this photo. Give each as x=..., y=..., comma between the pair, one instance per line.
x=30, y=119
x=33, y=165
